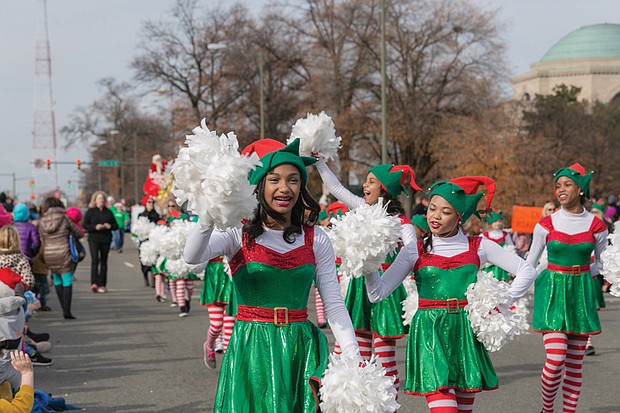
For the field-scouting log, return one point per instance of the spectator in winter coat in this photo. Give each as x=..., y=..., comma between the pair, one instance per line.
x=29, y=239
x=5, y=217
x=99, y=223
x=55, y=228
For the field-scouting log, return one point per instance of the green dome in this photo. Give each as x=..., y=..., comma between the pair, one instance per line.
x=596, y=41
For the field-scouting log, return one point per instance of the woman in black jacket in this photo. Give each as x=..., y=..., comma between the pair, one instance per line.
x=99, y=223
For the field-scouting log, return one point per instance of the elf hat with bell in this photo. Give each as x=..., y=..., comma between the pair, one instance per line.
x=462, y=194
x=395, y=179
x=578, y=174
x=273, y=153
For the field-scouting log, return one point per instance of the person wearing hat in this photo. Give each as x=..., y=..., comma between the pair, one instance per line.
x=378, y=324
x=497, y=234
x=445, y=362
x=274, y=258
x=420, y=224
x=565, y=308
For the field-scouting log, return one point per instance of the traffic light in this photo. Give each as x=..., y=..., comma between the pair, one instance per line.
x=78, y=163
x=48, y=163
x=31, y=183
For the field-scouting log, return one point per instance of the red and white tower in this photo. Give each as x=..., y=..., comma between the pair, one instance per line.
x=44, y=145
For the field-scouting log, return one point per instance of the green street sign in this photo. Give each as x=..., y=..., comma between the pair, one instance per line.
x=112, y=163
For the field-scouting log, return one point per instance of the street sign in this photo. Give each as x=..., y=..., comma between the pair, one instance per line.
x=112, y=163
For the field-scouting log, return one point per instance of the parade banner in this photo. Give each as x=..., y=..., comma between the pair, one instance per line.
x=524, y=218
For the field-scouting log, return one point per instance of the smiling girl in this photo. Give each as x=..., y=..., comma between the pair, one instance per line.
x=379, y=324
x=276, y=357
x=565, y=307
x=445, y=362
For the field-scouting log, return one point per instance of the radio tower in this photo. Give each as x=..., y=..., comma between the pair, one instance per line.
x=44, y=149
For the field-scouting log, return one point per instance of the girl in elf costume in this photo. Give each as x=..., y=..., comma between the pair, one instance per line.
x=501, y=237
x=216, y=293
x=276, y=357
x=565, y=307
x=379, y=324
x=445, y=361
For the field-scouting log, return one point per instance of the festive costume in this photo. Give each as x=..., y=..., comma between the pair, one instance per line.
x=565, y=305
x=502, y=238
x=380, y=322
x=276, y=357
x=442, y=350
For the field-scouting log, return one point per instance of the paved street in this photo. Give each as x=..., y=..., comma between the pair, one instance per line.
x=128, y=353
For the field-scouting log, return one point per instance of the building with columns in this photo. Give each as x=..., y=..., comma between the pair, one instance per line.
x=588, y=58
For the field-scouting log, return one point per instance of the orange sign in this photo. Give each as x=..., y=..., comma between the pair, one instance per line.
x=525, y=218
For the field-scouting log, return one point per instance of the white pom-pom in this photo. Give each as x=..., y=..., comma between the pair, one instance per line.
x=344, y=281
x=317, y=136
x=173, y=242
x=520, y=308
x=363, y=237
x=510, y=248
x=148, y=253
x=180, y=268
x=142, y=227
x=611, y=261
x=410, y=304
x=348, y=387
x=212, y=177
x=490, y=320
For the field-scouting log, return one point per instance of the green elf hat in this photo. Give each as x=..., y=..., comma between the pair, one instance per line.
x=577, y=173
x=336, y=209
x=420, y=222
x=493, y=216
x=462, y=194
x=395, y=179
x=598, y=206
x=322, y=214
x=273, y=153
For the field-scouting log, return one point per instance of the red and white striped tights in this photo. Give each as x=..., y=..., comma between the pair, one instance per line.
x=320, y=309
x=160, y=288
x=450, y=401
x=564, y=361
x=385, y=349
x=217, y=319
x=184, y=289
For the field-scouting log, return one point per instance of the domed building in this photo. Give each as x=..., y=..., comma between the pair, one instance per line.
x=588, y=58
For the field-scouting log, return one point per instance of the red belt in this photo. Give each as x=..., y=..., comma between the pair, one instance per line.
x=570, y=269
x=280, y=316
x=453, y=305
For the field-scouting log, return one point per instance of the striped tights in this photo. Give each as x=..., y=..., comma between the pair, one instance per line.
x=160, y=288
x=450, y=401
x=320, y=309
x=564, y=361
x=364, y=342
x=385, y=349
x=184, y=289
x=216, y=320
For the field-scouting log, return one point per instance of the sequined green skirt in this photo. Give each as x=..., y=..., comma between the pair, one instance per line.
x=598, y=293
x=272, y=369
x=565, y=303
x=384, y=318
x=443, y=353
x=217, y=286
x=497, y=272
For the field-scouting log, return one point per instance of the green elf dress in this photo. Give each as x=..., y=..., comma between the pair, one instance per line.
x=276, y=357
x=217, y=285
x=565, y=294
x=497, y=272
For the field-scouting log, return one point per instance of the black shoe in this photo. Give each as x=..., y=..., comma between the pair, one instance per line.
x=323, y=325
x=590, y=351
x=160, y=298
x=39, y=360
x=68, y=316
x=38, y=337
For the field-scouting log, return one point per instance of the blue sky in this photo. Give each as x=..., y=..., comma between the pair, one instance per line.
x=95, y=39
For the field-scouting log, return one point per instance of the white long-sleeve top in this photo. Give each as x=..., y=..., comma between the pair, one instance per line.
x=407, y=231
x=488, y=251
x=204, y=244
x=571, y=224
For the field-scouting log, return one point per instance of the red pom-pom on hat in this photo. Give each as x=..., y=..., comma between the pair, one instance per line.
x=262, y=147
